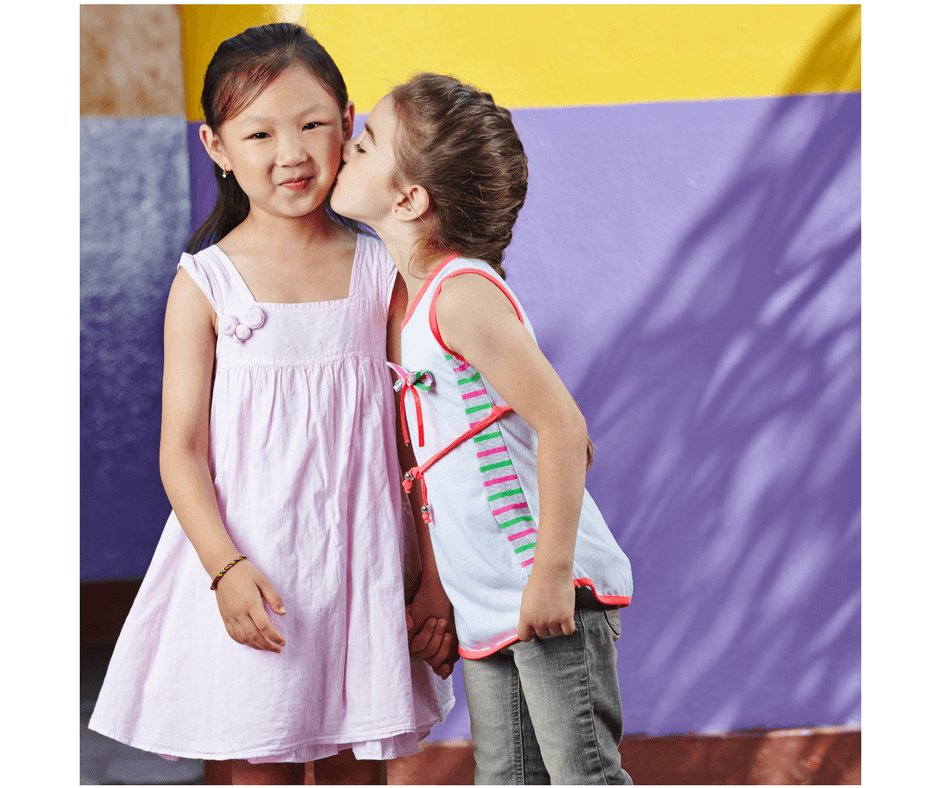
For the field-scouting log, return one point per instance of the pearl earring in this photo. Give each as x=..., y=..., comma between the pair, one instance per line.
x=224, y=173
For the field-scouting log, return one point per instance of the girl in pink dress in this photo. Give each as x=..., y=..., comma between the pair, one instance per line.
x=278, y=455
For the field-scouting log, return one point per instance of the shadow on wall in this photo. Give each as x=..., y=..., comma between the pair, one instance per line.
x=734, y=393
x=835, y=60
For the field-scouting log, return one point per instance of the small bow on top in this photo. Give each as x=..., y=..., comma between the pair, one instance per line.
x=412, y=381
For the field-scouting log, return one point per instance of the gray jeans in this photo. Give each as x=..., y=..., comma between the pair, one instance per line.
x=548, y=711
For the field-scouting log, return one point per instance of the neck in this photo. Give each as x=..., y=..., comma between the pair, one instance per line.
x=404, y=248
x=286, y=233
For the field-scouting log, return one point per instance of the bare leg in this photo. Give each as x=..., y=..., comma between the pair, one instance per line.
x=244, y=773
x=344, y=769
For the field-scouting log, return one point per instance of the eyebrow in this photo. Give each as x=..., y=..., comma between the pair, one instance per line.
x=371, y=134
x=311, y=109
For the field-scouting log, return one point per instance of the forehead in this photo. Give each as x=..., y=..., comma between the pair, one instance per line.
x=295, y=90
x=382, y=121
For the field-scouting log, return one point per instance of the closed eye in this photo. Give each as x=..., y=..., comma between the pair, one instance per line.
x=359, y=148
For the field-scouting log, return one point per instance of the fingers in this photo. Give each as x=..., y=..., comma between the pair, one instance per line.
x=247, y=636
x=437, y=659
x=264, y=635
x=258, y=634
x=555, y=629
x=447, y=656
x=271, y=597
x=419, y=640
x=427, y=642
x=527, y=631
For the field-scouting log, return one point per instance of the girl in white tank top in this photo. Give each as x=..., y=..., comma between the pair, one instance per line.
x=499, y=446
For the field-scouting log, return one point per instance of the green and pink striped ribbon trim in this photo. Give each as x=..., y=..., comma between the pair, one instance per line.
x=504, y=493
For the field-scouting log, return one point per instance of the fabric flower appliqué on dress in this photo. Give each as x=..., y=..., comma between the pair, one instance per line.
x=240, y=330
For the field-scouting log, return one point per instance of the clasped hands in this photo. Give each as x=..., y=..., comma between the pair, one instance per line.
x=431, y=634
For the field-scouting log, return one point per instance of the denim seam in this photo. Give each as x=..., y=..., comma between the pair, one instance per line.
x=518, y=754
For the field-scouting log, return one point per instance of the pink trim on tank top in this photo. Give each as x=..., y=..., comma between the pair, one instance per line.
x=620, y=601
x=424, y=287
x=432, y=313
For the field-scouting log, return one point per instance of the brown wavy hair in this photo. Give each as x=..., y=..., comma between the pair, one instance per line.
x=457, y=143
x=240, y=69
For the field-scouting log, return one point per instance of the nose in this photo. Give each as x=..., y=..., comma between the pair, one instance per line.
x=290, y=151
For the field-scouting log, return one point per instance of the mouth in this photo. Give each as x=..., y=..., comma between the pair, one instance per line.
x=297, y=184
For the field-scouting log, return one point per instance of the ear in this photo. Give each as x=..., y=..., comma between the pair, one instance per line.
x=349, y=115
x=413, y=203
x=213, y=145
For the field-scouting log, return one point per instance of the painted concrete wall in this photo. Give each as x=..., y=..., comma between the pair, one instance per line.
x=690, y=257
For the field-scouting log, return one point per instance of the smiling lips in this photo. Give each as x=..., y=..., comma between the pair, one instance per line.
x=297, y=185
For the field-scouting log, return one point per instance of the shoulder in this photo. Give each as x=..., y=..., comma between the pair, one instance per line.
x=470, y=292
x=188, y=305
x=202, y=263
x=473, y=310
x=203, y=271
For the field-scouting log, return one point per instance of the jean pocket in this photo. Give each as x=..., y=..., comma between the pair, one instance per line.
x=612, y=614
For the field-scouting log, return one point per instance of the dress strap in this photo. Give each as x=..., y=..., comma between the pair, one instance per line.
x=236, y=290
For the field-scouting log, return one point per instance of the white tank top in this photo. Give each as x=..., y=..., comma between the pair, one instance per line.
x=482, y=495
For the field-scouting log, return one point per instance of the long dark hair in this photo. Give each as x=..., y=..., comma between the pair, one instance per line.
x=462, y=147
x=240, y=69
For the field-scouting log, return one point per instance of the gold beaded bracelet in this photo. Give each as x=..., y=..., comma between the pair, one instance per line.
x=215, y=583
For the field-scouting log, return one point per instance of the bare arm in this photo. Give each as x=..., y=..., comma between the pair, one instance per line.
x=478, y=322
x=189, y=355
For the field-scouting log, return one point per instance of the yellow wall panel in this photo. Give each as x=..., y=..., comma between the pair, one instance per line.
x=558, y=55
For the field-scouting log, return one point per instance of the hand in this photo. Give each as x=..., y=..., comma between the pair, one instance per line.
x=432, y=642
x=241, y=594
x=547, y=606
x=431, y=633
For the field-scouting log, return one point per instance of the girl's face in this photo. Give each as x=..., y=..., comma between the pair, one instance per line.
x=364, y=189
x=286, y=145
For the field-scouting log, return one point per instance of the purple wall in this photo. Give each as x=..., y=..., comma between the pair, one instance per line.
x=134, y=210
x=693, y=269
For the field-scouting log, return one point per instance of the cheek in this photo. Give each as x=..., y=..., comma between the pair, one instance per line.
x=333, y=150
